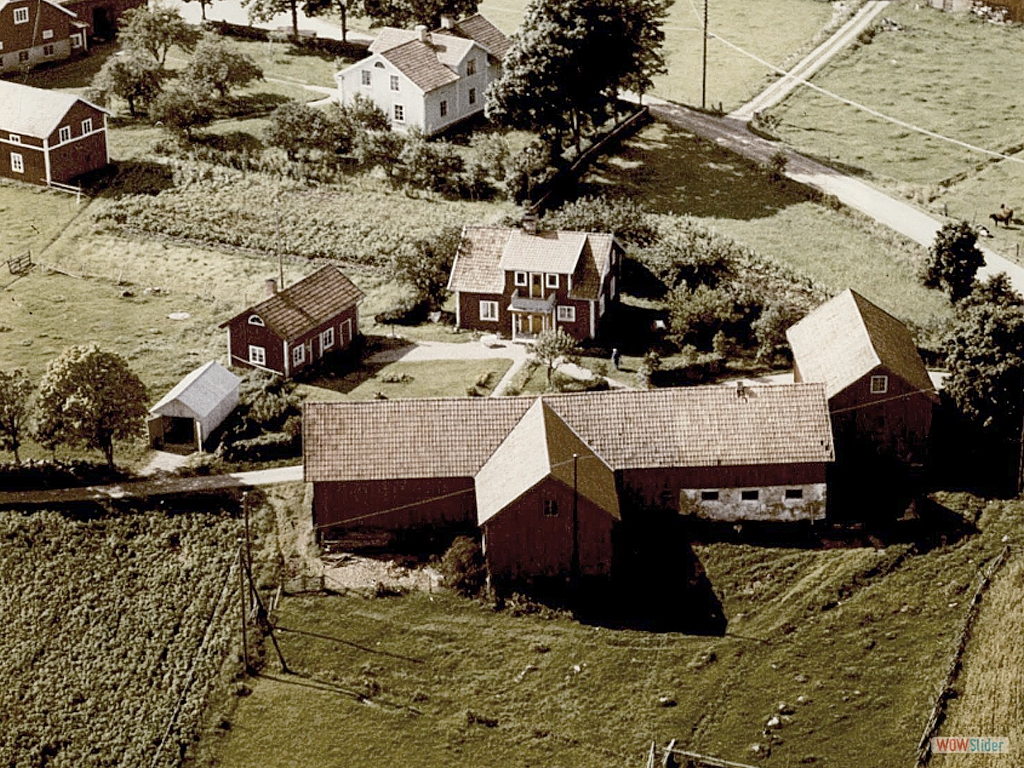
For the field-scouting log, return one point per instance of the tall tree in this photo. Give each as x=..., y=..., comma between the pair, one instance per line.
x=320, y=7
x=90, y=397
x=155, y=30
x=214, y=66
x=405, y=13
x=15, y=393
x=135, y=77
x=303, y=131
x=426, y=264
x=954, y=259
x=643, y=38
x=181, y=110
x=555, y=348
x=265, y=10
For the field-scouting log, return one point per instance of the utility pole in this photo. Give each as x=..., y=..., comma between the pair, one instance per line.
x=242, y=602
x=704, y=67
x=575, y=564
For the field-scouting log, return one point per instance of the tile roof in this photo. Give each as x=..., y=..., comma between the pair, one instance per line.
x=681, y=427
x=543, y=251
x=847, y=337
x=487, y=36
x=306, y=304
x=542, y=445
x=200, y=392
x=586, y=280
x=36, y=112
x=421, y=64
x=476, y=262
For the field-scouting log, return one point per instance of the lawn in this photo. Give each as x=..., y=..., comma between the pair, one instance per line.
x=401, y=379
x=849, y=640
x=30, y=217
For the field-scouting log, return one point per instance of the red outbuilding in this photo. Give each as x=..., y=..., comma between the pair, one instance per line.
x=38, y=31
x=296, y=327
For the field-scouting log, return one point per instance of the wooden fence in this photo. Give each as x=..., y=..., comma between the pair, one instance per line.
x=76, y=191
x=20, y=264
x=673, y=757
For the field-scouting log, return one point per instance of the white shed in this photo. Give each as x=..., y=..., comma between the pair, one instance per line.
x=195, y=407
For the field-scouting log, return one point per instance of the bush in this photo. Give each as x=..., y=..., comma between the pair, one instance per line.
x=463, y=567
x=266, y=447
x=407, y=313
x=625, y=218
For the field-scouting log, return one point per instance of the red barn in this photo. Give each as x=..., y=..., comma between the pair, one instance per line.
x=102, y=15
x=519, y=282
x=294, y=328
x=49, y=136
x=37, y=31
x=548, y=479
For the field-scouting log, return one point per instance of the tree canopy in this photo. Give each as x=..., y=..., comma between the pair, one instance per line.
x=555, y=348
x=954, y=259
x=215, y=67
x=15, y=393
x=405, y=13
x=90, y=397
x=425, y=265
x=154, y=31
x=302, y=131
x=135, y=77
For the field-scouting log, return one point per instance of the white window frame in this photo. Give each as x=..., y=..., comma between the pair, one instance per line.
x=298, y=354
x=879, y=385
x=256, y=320
x=489, y=311
x=793, y=494
x=521, y=279
x=470, y=67
x=21, y=15
x=64, y=134
x=76, y=40
x=14, y=138
x=399, y=113
x=550, y=280
x=472, y=95
x=257, y=354
x=566, y=314
x=48, y=49
x=327, y=338
x=47, y=34
x=394, y=83
x=1, y=45
x=87, y=126
x=365, y=78
x=17, y=162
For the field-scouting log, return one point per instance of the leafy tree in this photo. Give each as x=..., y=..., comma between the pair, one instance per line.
x=954, y=260
x=214, y=66
x=622, y=216
x=362, y=114
x=181, y=110
x=202, y=6
x=301, y=131
x=15, y=393
x=381, y=148
x=770, y=330
x=265, y=10
x=405, y=13
x=463, y=567
x=135, y=77
x=90, y=397
x=154, y=31
x=697, y=314
x=555, y=348
x=527, y=170
x=345, y=7
x=642, y=43
x=426, y=264
x=430, y=165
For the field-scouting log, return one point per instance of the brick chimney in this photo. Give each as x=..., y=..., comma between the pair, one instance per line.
x=529, y=221
x=270, y=287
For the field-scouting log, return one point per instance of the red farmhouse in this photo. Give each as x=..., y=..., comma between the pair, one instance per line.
x=49, y=136
x=36, y=31
x=102, y=15
x=507, y=466
x=519, y=282
x=294, y=328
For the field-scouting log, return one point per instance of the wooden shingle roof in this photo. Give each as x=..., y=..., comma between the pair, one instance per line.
x=419, y=62
x=303, y=306
x=848, y=337
x=487, y=36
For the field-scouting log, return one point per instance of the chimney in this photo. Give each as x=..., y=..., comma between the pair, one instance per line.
x=447, y=22
x=530, y=221
x=421, y=33
x=741, y=390
x=270, y=287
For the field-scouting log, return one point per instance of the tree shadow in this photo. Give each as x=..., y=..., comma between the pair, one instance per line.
x=234, y=141
x=345, y=370
x=251, y=104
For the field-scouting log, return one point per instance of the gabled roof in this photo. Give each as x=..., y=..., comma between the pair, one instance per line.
x=421, y=64
x=848, y=337
x=200, y=392
x=682, y=427
x=486, y=252
x=301, y=307
x=487, y=36
x=58, y=6
x=35, y=112
x=542, y=445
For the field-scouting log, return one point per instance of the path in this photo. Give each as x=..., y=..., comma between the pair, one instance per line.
x=147, y=488
x=330, y=95
x=233, y=12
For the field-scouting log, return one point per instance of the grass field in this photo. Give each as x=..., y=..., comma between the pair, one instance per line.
x=852, y=639
x=434, y=378
x=31, y=217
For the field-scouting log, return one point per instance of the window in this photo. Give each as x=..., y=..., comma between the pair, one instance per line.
x=709, y=495
x=47, y=34
x=365, y=74
x=255, y=320
x=76, y=40
x=257, y=355
x=794, y=493
x=64, y=134
x=87, y=125
x=327, y=339
x=550, y=507
x=299, y=354
x=15, y=138
x=489, y=310
x=394, y=82
x=879, y=385
x=21, y=15
x=47, y=50
x=749, y=495
x=521, y=278
x=17, y=163
x=22, y=57
x=566, y=314
x=471, y=67
x=399, y=113
x=472, y=95
x=551, y=281
x=1, y=45
x=444, y=109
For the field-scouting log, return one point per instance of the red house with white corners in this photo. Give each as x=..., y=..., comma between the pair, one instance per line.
x=49, y=136
x=292, y=329
x=37, y=31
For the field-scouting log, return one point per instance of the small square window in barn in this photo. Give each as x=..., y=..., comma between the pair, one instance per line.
x=750, y=495
x=879, y=385
x=709, y=495
x=794, y=493
x=550, y=507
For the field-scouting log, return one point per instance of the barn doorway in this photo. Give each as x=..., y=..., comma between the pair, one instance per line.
x=173, y=434
x=102, y=25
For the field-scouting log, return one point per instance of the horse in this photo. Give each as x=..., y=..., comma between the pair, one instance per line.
x=1004, y=217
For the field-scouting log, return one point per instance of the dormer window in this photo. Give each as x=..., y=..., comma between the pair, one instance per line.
x=551, y=281
x=255, y=320
x=879, y=385
x=521, y=278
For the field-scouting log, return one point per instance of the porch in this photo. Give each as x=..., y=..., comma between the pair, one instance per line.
x=531, y=316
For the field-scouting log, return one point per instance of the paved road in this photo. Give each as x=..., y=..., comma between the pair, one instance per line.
x=813, y=62
x=147, y=488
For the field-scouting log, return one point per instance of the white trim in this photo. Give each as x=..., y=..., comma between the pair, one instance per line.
x=257, y=355
x=458, y=310
x=47, y=34
x=394, y=83
x=298, y=355
x=566, y=313
x=63, y=134
x=341, y=332
x=487, y=308
x=17, y=162
x=46, y=160
x=398, y=113
x=883, y=382
x=21, y=15
x=14, y=138
x=593, y=322
x=255, y=319
x=326, y=339
x=548, y=282
x=87, y=126
x=287, y=367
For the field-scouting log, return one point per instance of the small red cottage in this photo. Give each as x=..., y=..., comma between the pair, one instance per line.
x=49, y=136
x=292, y=329
x=37, y=31
x=519, y=282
